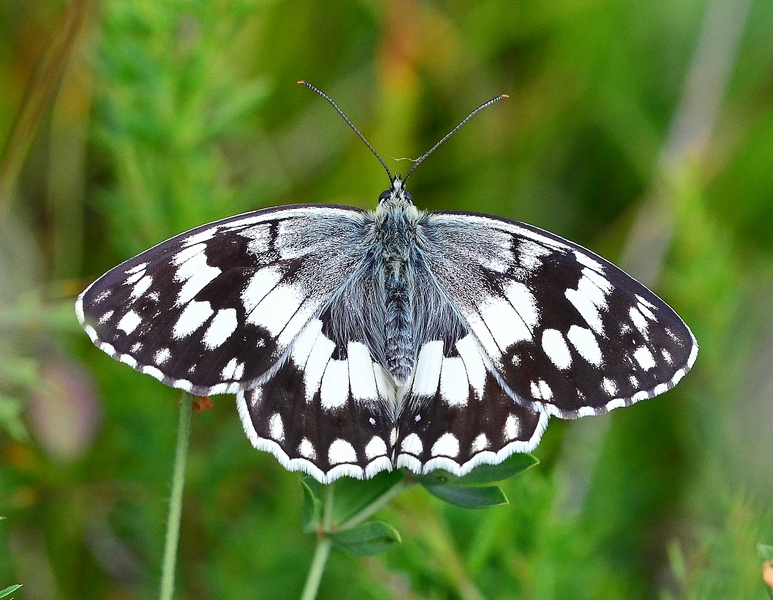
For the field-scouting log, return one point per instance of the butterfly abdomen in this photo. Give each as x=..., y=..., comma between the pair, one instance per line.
x=399, y=330
x=396, y=231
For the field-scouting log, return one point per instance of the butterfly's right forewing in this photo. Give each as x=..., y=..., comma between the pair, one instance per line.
x=565, y=330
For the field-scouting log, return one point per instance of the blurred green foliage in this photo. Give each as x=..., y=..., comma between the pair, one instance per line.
x=642, y=129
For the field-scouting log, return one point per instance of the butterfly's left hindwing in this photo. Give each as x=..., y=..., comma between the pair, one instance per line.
x=564, y=329
x=328, y=411
x=214, y=309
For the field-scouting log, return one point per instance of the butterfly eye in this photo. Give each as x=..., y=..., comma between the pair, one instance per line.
x=384, y=196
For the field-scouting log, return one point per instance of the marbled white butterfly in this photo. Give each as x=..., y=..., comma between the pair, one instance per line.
x=358, y=342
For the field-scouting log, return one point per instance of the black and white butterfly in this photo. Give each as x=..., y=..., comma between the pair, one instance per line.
x=358, y=342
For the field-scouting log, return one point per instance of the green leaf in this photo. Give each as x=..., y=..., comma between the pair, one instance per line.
x=311, y=504
x=354, y=495
x=765, y=552
x=366, y=539
x=468, y=497
x=482, y=474
x=315, y=487
x=9, y=590
x=490, y=473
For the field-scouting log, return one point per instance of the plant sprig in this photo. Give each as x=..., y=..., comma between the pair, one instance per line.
x=339, y=513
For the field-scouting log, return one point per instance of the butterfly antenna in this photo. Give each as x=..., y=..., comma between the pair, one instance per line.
x=332, y=103
x=452, y=132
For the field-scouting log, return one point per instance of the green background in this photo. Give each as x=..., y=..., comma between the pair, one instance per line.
x=642, y=129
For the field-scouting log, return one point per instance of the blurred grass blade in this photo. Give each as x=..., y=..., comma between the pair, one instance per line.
x=9, y=590
x=39, y=95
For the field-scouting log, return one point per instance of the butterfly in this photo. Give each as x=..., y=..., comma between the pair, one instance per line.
x=364, y=341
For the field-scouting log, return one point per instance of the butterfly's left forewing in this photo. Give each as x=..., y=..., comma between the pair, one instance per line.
x=215, y=309
x=565, y=330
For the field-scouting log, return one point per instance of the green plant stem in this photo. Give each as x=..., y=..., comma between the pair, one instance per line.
x=176, y=500
x=314, y=577
x=322, y=551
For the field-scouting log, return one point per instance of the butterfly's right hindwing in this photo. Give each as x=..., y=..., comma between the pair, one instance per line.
x=214, y=309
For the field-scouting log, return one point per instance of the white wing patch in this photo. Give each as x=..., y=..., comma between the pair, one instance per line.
x=276, y=308
x=524, y=303
x=193, y=316
x=335, y=385
x=258, y=287
x=129, y=322
x=193, y=272
x=454, y=387
x=586, y=344
x=316, y=364
x=504, y=323
x=220, y=328
x=362, y=376
x=447, y=445
x=427, y=370
x=555, y=347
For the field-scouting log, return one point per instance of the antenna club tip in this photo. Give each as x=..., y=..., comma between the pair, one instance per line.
x=301, y=82
x=503, y=95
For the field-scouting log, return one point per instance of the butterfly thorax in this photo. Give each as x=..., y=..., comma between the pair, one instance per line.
x=396, y=220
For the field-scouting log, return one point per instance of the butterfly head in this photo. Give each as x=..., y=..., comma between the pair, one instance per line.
x=396, y=194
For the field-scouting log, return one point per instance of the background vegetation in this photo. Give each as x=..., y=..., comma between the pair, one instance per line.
x=642, y=129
